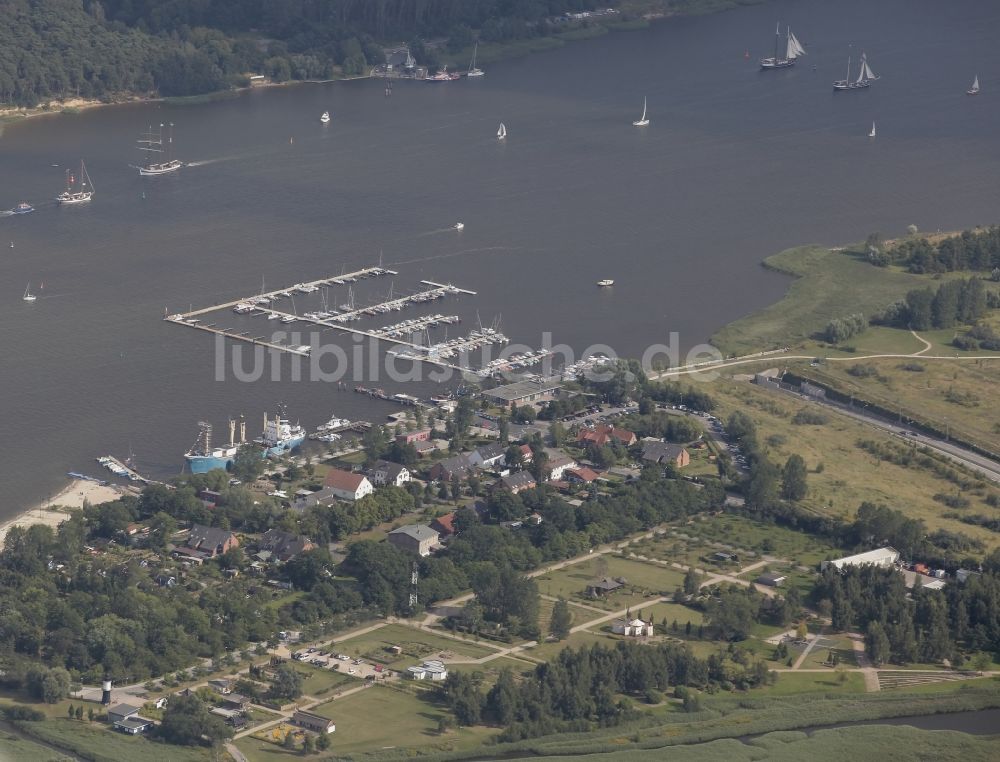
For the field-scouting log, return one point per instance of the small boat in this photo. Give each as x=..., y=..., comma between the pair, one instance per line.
x=872, y=133
x=442, y=76
x=974, y=90
x=605, y=283
x=793, y=49
x=23, y=208
x=152, y=143
x=502, y=132
x=459, y=226
x=642, y=120
x=865, y=76
x=28, y=296
x=77, y=188
x=473, y=71
x=325, y=117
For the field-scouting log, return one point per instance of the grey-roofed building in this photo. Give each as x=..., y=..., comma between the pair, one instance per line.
x=415, y=538
x=521, y=392
x=488, y=455
x=456, y=465
x=120, y=712
x=771, y=579
x=518, y=481
x=658, y=451
x=210, y=541
x=284, y=545
x=385, y=472
x=603, y=586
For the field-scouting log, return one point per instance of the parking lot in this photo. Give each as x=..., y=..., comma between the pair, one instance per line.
x=342, y=663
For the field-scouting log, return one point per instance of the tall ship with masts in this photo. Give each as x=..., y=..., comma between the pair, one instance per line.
x=793, y=49
x=79, y=188
x=865, y=76
x=159, y=160
x=202, y=457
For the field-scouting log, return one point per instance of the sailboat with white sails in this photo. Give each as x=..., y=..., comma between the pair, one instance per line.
x=152, y=143
x=974, y=90
x=793, y=49
x=502, y=132
x=473, y=71
x=642, y=121
x=79, y=190
x=28, y=296
x=872, y=133
x=865, y=76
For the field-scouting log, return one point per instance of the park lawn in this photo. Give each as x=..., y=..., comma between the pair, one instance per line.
x=850, y=476
x=416, y=644
x=673, y=612
x=922, y=394
x=828, y=284
x=382, y=717
x=645, y=580
x=549, y=650
x=100, y=741
x=13, y=747
x=790, y=683
x=579, y=613
x=318, y=681
x=839, y=644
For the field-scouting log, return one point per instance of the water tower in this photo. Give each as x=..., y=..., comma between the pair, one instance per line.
x=106, y=692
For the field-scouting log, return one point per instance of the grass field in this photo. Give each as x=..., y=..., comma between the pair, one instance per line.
x=959, y=395
x=850, y=475
x=383, y=717
x=828, y=284
x=644, y=581
x=547, y=651
x=416, y=645
x=13, y=747
x=99, y=741
x=809, y=682
x=319, y=681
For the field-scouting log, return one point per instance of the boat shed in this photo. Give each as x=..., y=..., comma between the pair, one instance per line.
x=884, y=557
x=521, y=392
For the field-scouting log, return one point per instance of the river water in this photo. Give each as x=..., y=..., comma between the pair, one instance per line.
x=736, y=164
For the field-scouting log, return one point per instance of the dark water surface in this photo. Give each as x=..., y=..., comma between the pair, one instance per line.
x=735, y=165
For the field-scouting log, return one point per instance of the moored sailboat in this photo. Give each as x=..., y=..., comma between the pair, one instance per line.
x=152, y=143
x=78, y=190
x=793, y=49
x=865, y=76
x=974, y=90
x=473, y=71
x=642, y=121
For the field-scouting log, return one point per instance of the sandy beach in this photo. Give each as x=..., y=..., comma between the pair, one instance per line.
x=54, y=511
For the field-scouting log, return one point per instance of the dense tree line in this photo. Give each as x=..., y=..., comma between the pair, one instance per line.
x=953, y=303
x=103, y=48
x=842, y=329
x=970, y=250
x=578, y=690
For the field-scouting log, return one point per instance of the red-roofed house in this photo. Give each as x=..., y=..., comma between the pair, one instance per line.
x=526, y=453
x=602, y=434
x=347, y=485
x=581, y=475
x=444, y=525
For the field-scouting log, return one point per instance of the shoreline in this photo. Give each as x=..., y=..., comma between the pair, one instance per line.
x=56, y=509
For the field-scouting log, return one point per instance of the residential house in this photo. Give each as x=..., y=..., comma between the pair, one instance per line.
x=283, y=546
x=120, y=712
x=603, y=586
x=658, y=451
x=236, y=701
x=488, y=456
x=633, y=628
x=444, y=525
x=556, y=467
x=133, y=726
x=208, y=542
x=527, y=454
x=221, y=686
x=347, y=485
x=457, y=465
x=517, y=481
x=314, y=722
x=165, y=579
x=426, y=448
x=771, y=579
x=415, y=538
x=580, y=475
x=412, y=437
x=384, y=472
x=603, y=434
x=429, y=670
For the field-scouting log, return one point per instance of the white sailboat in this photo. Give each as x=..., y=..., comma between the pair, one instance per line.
x=502, y=132
x=642, y=121
x=473, y=71
x=28, y=296
x=865, y=76
x=793, y=49
x=78, y=190
x=872, y=133
x=974, y=90
x=325, y=117
x=152, y=143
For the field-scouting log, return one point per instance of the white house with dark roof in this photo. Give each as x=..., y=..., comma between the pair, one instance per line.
x=429, y=670
x=415, y=538
x=488, y=455
x=385, y=472
x=632, y=628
